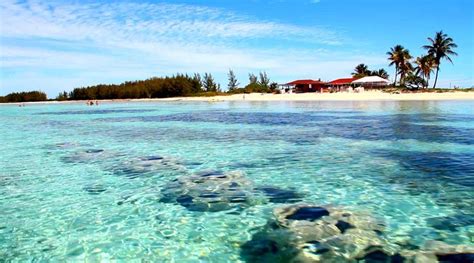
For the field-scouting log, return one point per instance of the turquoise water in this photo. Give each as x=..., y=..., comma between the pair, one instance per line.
x=91, y=183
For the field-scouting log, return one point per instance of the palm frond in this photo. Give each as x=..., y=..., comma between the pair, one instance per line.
x=452, y=45
x=450, y=52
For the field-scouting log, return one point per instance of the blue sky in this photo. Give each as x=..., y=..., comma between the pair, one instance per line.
x=59, y=45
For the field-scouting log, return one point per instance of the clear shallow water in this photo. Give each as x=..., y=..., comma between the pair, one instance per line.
x=70, y=188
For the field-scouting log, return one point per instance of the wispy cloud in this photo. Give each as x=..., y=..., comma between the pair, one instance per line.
x=145, y=22
x=102, y=42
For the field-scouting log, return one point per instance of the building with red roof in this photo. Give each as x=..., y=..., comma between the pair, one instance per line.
x=306, y=85
x=341, y=82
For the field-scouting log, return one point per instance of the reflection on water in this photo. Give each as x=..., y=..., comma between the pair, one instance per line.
x=232, y=181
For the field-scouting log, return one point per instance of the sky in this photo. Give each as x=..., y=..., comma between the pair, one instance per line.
x=56, y=46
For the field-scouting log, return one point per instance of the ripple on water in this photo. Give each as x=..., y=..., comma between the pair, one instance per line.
x=207, y=176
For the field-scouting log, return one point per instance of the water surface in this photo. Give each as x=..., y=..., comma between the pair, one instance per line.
x=79, y=182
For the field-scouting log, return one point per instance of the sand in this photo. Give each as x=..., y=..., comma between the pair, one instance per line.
x=364, y=96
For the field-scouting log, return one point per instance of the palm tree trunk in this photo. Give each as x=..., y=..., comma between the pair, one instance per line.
x=427, y=81
x=436, y=78
x=396, y=74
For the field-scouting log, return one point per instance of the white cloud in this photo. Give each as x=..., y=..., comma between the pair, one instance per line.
x=147, y=22
x=86, y=44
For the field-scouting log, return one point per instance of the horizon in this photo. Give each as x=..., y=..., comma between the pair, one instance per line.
x=57, y=46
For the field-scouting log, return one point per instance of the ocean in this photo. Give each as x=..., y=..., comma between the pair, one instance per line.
x=205, y=181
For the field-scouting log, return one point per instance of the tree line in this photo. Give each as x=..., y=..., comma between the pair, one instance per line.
x=24, y=97
x=157, y=87
x=177, y=85
x=260, y=83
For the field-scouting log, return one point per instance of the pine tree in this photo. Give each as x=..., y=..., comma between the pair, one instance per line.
x=264, y=80
x=208, y=83
x=252, y=78
x=233, y=83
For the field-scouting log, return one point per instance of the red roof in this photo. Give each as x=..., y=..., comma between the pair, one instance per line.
x=342, y=81
x=304, y=81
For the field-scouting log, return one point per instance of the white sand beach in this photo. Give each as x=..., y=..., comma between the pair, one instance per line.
x=364, y=96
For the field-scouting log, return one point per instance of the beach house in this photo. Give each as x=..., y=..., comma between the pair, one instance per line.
x=306, y=85
x=340, y=84
x=371, y=82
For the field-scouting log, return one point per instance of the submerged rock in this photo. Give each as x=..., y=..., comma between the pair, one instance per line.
x=94, y=189
x=64, y=145
x=456, y=257
x=84, y=156
x=94, y=151
x=149, y=165
x=268, y=245
x=279, y=195
x=303, y=214
x=310, y=213
x=209, y=191
x=452, y=223
x=437, y=251
x=343, y=226
x=127, y=199
x=447, y=253
x=314, y=233
x=380, y=256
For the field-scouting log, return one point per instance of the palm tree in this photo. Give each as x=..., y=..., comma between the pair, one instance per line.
x=424, y=66
x=415, y=81
x=394, y=56
x=404, y=66
x=381, y=73
x=440, y=48
x=360, y=71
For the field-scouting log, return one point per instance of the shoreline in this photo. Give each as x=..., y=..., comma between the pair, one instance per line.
x=364, y=96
